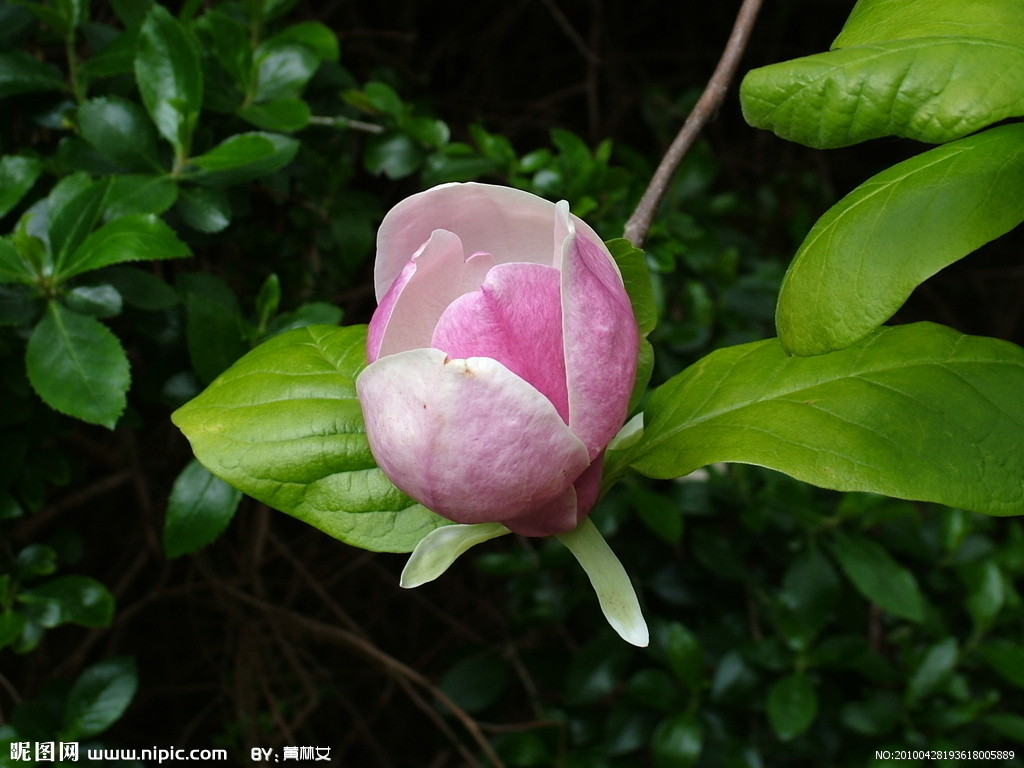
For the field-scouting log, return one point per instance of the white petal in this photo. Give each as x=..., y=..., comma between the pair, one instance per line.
x=441, y=547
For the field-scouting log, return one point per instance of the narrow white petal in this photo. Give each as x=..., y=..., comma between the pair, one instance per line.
x=614, y=590
x=441, y=547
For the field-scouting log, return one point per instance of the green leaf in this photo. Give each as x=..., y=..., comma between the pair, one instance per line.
x=393, y=154
x=21, y=72
x=873, y=21
x=205, y=209
x=72, y=219
x=94, y=300
x=318, y=37
x=792, y=706
x=986, y=593
x=142, y=237
x=636, y=275
x=132, y=194
x=13, y=268
x=18, y=305
x=678, y=741
x=69, y=600
x=932, y=89
x=877, y=576
x=283, y=69
x=199, y=509
x=78, y=367
x=121, y=131
x=279, y=115
x=244, y=157
x=99, y=697
x=169, y=73
x=1006, y=658
x=685, y=656
x=477, y=682
x=916, y=411
x=283, y=425
x=867, y=253
x=141, y=289
x=17, y=176
x=214, y=324
x=933, y=670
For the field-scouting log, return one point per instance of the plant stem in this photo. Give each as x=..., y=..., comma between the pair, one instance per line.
x=73, y=74
x=708, y=103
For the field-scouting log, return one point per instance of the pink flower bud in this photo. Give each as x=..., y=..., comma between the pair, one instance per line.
x=502, y=356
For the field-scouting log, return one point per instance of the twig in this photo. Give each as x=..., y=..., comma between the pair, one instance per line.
x=640, y=222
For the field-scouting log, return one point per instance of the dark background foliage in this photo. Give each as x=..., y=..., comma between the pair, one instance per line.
x=766, y=650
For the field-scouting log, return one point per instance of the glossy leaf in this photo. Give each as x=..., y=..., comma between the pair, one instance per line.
x=135, y=193
x=20, y=72
x=283, y=69
x=934, y=669
x=121, y=131
x=69, y=600
x=214, y=327
x=99, y=697
x=873, y=21
x=78, y=367
x=72, y=218
x=792, y=706
x=917, y=411
x=318, y=37
x=678, y=741
x=932, y=89
x=878, y=577
x=867, y=253
x=244, y=157
x=142, y=237
x=199, y=509
x=283, y=425
x=17, y=176
x=170, y=76
x=205, y=209
x=12, y=268
x=279, y=115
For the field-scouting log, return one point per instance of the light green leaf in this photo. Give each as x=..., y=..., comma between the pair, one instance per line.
x=17, y=175
x=917, y=411
x=243, y=157
x=932, y=89
x=200, y=508
x=873, y=21
x=283, y=425
x=792, y=706
x=69, y=600
x=867, y=253
x=169, y=73
x=142, y=237
x=78, y=367
x=121, y=131
x=20, y=72
x=877, y=576
x=99, y=697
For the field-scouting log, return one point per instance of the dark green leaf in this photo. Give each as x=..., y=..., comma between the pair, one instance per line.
x=877, y=576
x=69, y=600
x=18, y=304
x=35, y=560
x=1006, y=658
x=15, y=21
x=142, y=237
x=72, y=219
x=932, y=89
x=283, y=69
x=13, y=269
x=200, y=508
x=393, y=154
x=78, y=367
x=934, y=669
x=139, y=193
x=314, y=313
x=12, y=624
x=986, y=593
x=917, y=411
x=205, y=209
x=678, y=741
x=243, y=157
x=1006, y=724
x=477, y=682
x=17, y=175
x=132, y=13
x=214, y=325
x=22, y=73
x=279, y=115
x=685, y=656
x=170, y=77
x=637, y=276
x=99, y=697
x=792, y=706
x=318, y=37
x=284, y=426
x=867, y=253
x=140, y=289
x=121, y=131
x=268, y=300
x=94, y=300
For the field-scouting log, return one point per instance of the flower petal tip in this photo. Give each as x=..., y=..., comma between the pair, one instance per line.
x=436, y=551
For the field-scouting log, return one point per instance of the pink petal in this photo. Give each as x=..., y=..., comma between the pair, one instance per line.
x=516, y=319
x=564, y=513
x=509, y=223
x=468, y=439
x=600, y=336
x=436, y=274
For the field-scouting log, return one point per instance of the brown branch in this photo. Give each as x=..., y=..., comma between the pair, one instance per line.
x=708, y=103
